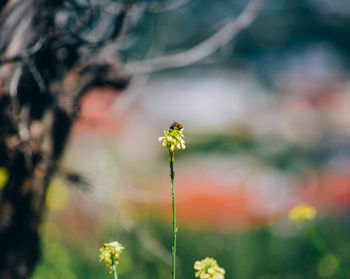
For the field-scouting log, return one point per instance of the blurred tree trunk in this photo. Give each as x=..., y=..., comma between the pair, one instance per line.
x=44, y=70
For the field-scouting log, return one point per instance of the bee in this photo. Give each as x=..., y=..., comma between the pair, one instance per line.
x=176, y=126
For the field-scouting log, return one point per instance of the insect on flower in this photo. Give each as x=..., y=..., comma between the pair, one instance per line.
x=176, y=126
x=173, y=137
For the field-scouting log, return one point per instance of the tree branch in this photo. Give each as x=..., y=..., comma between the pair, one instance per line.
x=202, y=50
x=29, y=53
x=36, y=75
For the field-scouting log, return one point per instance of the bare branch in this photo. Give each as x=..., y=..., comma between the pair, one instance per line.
x=202, y=50
x=14, y=81
x=30, y=52
x=36, y=75
x=117, y=28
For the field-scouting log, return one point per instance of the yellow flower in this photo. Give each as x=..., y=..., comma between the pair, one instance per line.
x=208, y=269
x=173, y=138
x=302, y=213
x=4, y=176
x=110, y=253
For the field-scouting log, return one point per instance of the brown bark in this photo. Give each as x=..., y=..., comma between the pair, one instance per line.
x=44, y=71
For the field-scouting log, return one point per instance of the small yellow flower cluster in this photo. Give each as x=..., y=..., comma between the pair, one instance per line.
x=110, y=253
x=302, y=213
x=173, y=138
x=208, y=269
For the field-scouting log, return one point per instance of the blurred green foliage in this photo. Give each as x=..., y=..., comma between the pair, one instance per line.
x=281, y=251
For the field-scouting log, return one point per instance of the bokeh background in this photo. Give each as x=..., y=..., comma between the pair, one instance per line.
x=267, y=125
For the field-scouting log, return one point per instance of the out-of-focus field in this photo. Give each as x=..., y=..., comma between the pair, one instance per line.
x=252, y=154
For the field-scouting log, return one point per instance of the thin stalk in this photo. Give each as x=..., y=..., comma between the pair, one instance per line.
x=172, y=176
x=114, y=267
x=115, y=272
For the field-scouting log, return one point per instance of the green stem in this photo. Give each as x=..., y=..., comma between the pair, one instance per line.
x=115, y=272
x=172, y=176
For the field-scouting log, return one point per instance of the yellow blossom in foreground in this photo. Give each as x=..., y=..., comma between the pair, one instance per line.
x=302, y=213
x=208, y=269
x=110, y=253
x=173, y=138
